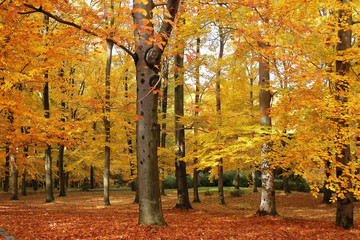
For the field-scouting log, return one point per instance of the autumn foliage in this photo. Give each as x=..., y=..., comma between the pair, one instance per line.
x=94, y=87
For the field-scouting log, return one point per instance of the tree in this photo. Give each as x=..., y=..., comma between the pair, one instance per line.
x=48, y=157
x=180, y=165
x=147, y=62
x=267, y=204
x=345, y=208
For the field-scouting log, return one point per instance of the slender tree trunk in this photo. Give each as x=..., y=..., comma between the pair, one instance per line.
x=327, y=191
x=14, y=179
x=286, y=185
x=237, y=179
x=35, y=184
x=253, y=171
x=62, y=192
x=254, y=185
x=92, y=177
x=164, y=105
x=7, y=173
x=67, y=176
x=48, y=158
x=218, y=110
x=23, y=184
x=345, y=207
x=180, y=166
x=107, y=124
x=267, y=204
x=196, y=113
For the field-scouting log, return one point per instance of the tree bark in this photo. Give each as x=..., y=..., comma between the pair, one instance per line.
x=164, y=105
x=7, y=173
x=237, y=179
x=345, y=207
x=286, y=184
x=196, y=113
x=48, y=158
x=23, y=184
x=92, y=183
x=62, y=192
x=218, y=110
x=180, y=166
x=267, y=204
x=14, y=179
x=110, y=45
x=253, y=176
x=147, y=58
x=327, y=191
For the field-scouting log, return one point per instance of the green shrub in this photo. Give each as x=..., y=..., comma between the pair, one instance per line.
x=236, y=193
x=85, y=186
x=170, y=182
x=208, y=193
x=295, y=184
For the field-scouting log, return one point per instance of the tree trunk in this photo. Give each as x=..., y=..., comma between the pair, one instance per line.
x=147, y=60
x=67, y=175
x=286, y=184
x=218, y=110
x=23, y=184
x=164, y=106
x=196, y=113
x=237, y=179
x=327, y=191
x=267, y=204
x=62, y=192
x=35, y=184
x=48, y=175
x=180, y=166
x=7, y=173
x=14, y=179
x=92, y=177
x=48, y=157
x=253, y=176
x=345, y=207
x=110, y=45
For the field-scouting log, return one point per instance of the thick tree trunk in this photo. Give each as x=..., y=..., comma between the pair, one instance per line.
x=196, y=113
x=345, y=208
x=267, y=204
x=180, y=166
x=23, y=184
x=14, y=179
x=7, y=173
x=110, y=45
x=62, y=192
x=147, y=60
x=218, y=110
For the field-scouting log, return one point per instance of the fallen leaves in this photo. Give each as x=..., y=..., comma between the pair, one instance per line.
x=82, y=216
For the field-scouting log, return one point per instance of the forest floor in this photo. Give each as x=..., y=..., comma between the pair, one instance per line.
x=81, y=215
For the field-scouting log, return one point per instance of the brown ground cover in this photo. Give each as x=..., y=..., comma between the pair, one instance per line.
x=82, y=216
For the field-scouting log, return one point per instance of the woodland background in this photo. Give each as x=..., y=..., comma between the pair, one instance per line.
x=114, y=92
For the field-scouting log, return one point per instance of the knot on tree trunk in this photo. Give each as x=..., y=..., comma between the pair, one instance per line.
x=153, y=57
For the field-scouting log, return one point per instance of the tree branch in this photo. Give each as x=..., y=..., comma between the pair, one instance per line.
x=60, y=20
